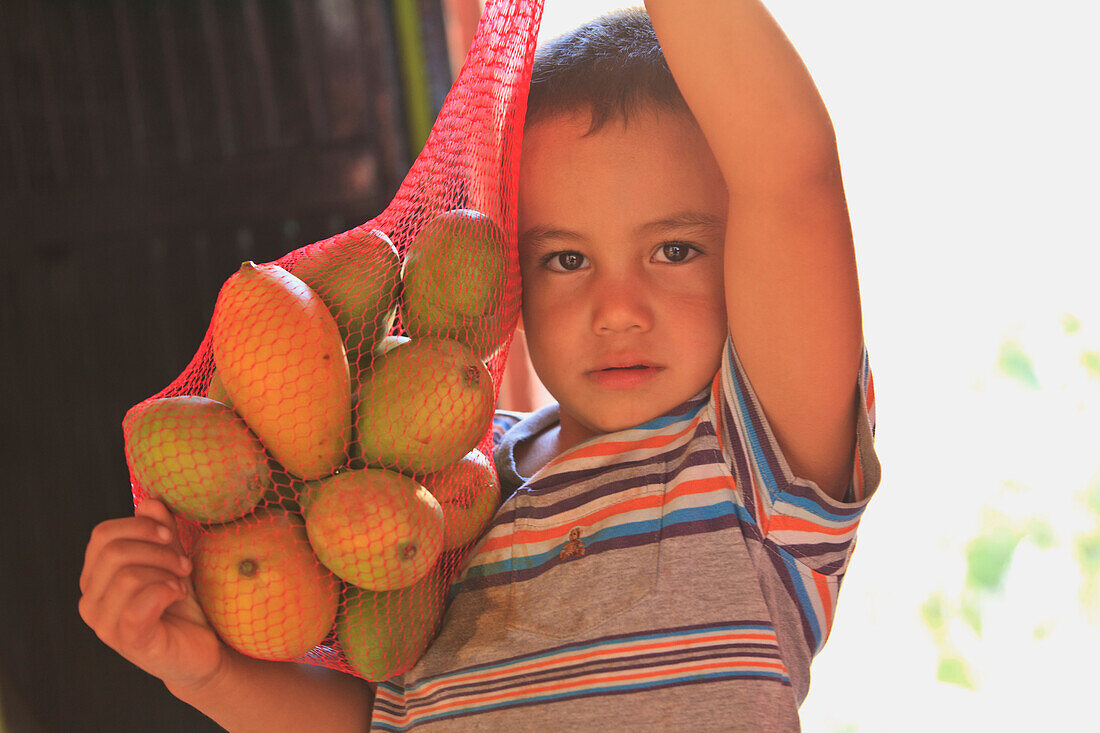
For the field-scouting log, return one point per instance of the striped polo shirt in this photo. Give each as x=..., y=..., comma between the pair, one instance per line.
x=673, y=576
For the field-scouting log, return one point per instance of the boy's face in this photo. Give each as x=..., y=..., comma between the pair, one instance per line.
x=621, y=238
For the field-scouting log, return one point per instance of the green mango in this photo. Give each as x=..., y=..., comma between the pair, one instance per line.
x=457, y=282
x=358, y=276
x=196, y=455
x=384, y=633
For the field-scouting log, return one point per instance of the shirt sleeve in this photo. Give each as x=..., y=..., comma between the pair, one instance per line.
x=791, y=512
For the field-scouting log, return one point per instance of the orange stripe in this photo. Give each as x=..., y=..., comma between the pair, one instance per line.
x=624, y=446
x=609, y=448
x=587, y=655
x=685, y=488
x=784, y=523
x=826, y=596
x=590, y=681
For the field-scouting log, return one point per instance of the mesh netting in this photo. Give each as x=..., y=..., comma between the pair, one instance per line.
x=326, y=452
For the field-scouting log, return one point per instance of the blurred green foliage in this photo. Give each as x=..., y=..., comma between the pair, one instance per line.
x=955, y=671
x=1015, y=364
x=1091, y=361
x=989, y=554
x=1071, y=323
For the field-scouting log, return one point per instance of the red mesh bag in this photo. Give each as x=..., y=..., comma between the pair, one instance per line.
x=326, y=452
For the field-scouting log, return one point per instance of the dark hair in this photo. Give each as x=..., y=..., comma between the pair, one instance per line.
x=611, y=66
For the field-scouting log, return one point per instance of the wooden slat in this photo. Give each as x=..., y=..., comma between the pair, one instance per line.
x=51, y=112
x=261, y=58
x=13, y=164
x=90, y=97
x=219, y=73
x=343, y=78
x=127, y=54
x=381, y=57
x=305, y=26
x=437, y=64
x=173, y=82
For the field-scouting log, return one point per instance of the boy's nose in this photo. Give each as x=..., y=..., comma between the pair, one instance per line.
x=621, y=305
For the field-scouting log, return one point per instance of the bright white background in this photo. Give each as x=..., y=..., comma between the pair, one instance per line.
x=968, y=138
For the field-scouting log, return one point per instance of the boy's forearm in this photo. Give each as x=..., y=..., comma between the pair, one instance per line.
x=254, y=695
x=753, y=97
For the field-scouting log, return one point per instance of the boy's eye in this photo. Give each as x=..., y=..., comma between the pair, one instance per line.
x=677, y=252
x=565, y=261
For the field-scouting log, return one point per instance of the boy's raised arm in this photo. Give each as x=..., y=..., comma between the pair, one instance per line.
x=792, y=295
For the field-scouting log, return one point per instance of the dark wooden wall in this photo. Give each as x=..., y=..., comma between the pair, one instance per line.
x=147, y=147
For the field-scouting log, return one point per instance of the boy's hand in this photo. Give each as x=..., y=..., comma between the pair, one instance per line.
x=136, y=594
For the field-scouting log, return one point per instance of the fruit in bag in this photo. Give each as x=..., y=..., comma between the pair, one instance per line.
x=376, y=529
x=469, y=494
x=282, y=360
x=197, y=456
x=358, y=276
x=344, y=559
x=259, y=582
x=423, y=406
x=454, y=280
x=384, y=633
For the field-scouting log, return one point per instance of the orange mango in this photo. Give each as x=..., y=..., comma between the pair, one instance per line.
x=280, y=356
x=260, y=584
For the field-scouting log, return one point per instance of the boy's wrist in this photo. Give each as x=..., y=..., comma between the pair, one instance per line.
x=198, y=693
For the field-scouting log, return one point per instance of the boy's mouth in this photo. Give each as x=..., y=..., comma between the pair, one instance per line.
x=622, y=362
x=624, y=373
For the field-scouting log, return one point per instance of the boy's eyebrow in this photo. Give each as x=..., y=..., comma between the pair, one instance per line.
x=702, y=223
x=697, y=222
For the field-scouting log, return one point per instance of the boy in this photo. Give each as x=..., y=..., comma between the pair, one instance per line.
x=676, y=528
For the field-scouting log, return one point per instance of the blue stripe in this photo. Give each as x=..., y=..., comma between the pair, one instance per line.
x=589, y=691
x=625, y=529
x=815, y=508
x=802, y=596
x=755, y=444
x=665, y=420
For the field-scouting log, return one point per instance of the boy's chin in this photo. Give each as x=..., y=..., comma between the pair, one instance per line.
x=613, y=421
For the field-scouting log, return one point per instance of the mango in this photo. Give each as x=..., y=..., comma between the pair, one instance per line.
x=457, y=282
x=196, y=455
x=384, y=633
x=469, y=493
x=260, y=584
x=423, y=406
x=358, y=276
x=375, y=529
x=281, y=357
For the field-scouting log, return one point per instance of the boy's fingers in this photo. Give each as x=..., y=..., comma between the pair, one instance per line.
x=135, y=528
x=146, y=607
x=105, y=613
x=158, y=511
x=123, y=553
